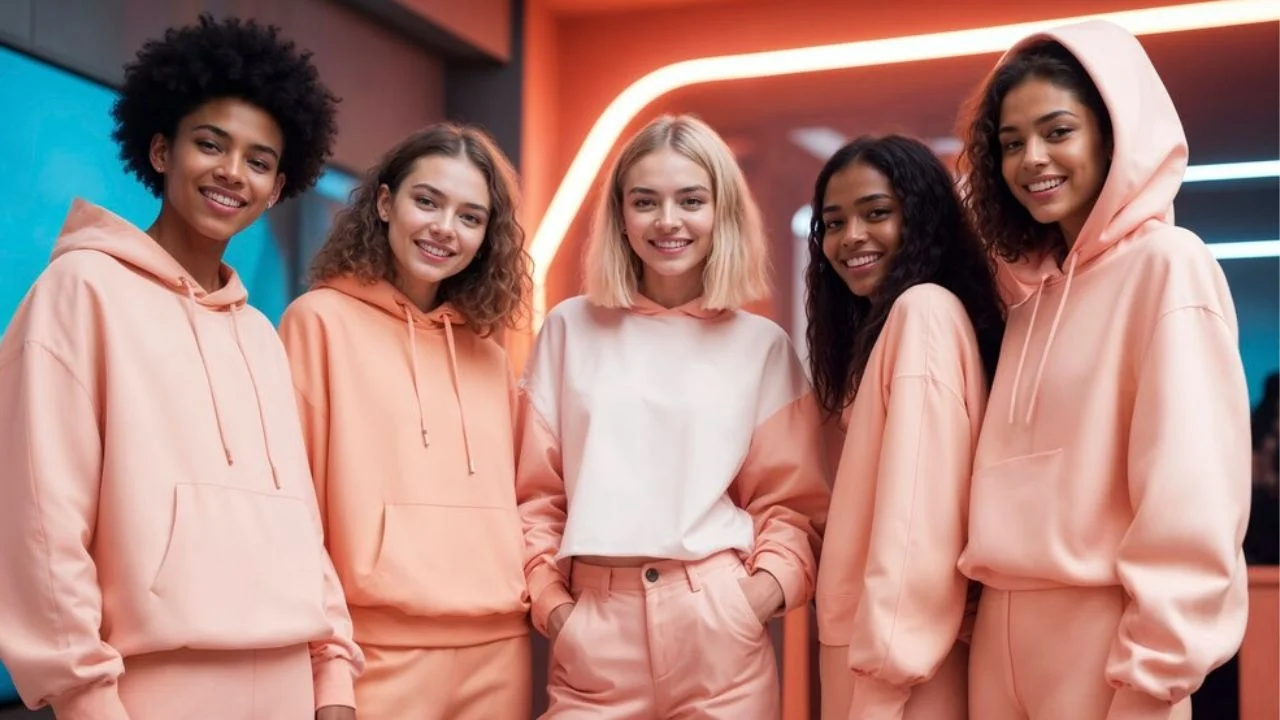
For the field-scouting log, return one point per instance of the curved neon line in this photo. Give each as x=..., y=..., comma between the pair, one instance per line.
x=608, y=127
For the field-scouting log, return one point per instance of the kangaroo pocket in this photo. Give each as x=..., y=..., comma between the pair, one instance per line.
x=440, y=561
x=242, y=569
x=1016, y=525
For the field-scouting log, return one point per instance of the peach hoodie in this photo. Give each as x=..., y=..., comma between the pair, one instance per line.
x=1115, y=450
x=667, y=433
x=408, y=418
x=888, y=587
x=154, y=479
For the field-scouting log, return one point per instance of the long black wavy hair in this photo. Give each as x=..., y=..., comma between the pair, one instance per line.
x=937, y=245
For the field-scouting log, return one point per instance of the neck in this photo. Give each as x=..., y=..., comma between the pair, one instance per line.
x=670, y=292
x=200, y=256
x=423, y=295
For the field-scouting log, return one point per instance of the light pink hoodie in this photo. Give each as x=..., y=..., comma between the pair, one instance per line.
x=154, y=481
x=1115, y=448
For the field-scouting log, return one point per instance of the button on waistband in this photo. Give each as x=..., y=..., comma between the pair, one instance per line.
x=651, y=575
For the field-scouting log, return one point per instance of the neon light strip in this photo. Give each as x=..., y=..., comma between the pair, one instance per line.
x=1233, y=171
x=1247, y=250
x=608, y=127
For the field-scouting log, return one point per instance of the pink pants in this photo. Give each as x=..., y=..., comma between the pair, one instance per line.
x=481, y=682
x=1041, y=655
x=941, y=697
x=665, y=640
x=227, y=685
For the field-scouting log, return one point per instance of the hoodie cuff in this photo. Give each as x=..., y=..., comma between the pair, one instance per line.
x=1131, y=704
x=552, y=596
x=335, y=683
x=877, y=700
x=95, y=702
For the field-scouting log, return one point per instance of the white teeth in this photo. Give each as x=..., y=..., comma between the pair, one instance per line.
x=671, y=244
x=434, y=251
x=861, y=260
x=1046, y=184
x=225, y=200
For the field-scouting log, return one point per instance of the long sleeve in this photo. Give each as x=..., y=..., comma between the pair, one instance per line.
x=1181, y=562
x=335, y=661
x=913, y=597
x=50, y=598
x=783, y=487
x=543, y=508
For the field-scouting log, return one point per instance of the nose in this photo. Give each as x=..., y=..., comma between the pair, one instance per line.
x=855, y=232
x=1035, y=154
x=442, y=227
x=667, y=221
x=231, y=170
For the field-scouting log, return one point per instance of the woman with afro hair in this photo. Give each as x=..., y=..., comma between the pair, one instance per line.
x=406, y=405
x=161, y=554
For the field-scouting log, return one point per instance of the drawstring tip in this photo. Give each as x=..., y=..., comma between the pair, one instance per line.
x=471, y=468
x=426, y=442
x=227, y=451
x=275, y=476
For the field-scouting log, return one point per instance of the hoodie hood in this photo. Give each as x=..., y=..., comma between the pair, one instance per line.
x=90, y=227
x=643, y=305
x=385, y=297
x=1149, y=157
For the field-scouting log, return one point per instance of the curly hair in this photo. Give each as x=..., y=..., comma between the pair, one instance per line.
x=494, y=289
x=936, y=245
x=173, y=76
x=998, y=217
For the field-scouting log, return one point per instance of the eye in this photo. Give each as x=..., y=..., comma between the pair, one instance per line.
x=693, y=203
x=425, y=201
x=1011, y=145
x=473, y=220
x=833, y=224
x=1060, y=133
x=260, y=165
x=878, y=214
x=642, y=203
x=207, y=145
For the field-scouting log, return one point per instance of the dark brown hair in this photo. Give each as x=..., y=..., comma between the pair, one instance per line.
x=491, y=292
x=999, y=219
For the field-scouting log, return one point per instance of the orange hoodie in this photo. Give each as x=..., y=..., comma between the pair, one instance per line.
x=154, y=480
x=409, y=419
x=888, y=588
x=1115, y=450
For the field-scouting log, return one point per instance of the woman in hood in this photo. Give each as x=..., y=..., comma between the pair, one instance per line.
x=161, y=553
x=1111, y=481
x=670, y=472
x=407, y=409
x=904, y=326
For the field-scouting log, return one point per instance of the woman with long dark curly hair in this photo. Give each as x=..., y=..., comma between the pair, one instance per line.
x=161, y=554
x=406, y=406
x=1111, y=480
x=904, y=323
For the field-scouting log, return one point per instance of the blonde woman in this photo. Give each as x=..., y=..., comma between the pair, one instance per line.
x=669, y=471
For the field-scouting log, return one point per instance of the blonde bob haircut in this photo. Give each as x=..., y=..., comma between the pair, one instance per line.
x=736, y=272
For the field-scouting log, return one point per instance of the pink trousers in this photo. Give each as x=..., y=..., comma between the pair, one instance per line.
x=665, y=640
x=227, y=685
x=482, y=682
x=846, y=697
x=1041, y=655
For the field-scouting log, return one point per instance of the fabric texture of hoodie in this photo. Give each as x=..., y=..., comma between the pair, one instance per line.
x=409, y=422
x=1115, y=448
x=667, y=433
x=888, y=587
x=154, y=479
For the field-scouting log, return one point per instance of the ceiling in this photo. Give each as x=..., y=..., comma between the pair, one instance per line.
x=601, y=7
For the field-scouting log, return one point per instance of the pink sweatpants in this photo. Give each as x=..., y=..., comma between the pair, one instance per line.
x=665, y=640
x=227, y=685
x=1041, y=655
x=942, y=697
x=482, y=682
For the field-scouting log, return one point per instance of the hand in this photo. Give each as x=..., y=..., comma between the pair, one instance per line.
x=764, y=593
x=336, y=712
x=556, y=620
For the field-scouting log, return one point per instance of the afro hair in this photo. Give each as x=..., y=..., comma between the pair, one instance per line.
x=192, y=65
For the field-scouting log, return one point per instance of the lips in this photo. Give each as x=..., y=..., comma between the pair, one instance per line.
x=671, y=245
x=862, y=260
x=434, y=249
x=226, y=199
x=1045, y=184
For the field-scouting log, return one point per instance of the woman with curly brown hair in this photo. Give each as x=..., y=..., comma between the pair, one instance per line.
x=904, y=325
x=1111, y=481
x=406, y=405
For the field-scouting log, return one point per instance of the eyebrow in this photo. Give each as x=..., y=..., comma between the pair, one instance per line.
x=223, y=134
x=649, y=191
x=1041, y=120
x=860, y=201
x=437, y=191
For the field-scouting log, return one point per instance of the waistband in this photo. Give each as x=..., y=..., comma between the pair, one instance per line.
x=661, y=573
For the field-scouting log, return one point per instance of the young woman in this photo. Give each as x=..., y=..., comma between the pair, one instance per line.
x=904, y=326
x=1111, y=481
x=670, y=464
x=407, y=410
x=161, y=554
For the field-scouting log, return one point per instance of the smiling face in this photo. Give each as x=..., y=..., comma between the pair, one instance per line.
x=1054, y=156
x=668, y=214
x=221, y=168
x=862, y=223
x=436, y=223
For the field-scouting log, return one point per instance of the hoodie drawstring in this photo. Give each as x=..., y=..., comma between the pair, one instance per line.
x=1048, y=343
x=457, y=385
x=417, y=386
x=257, y=396
x=204, y=362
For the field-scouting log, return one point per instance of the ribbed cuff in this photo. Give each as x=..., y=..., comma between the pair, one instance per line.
x=94, y=702
x=877, y=700
x=335, y=682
